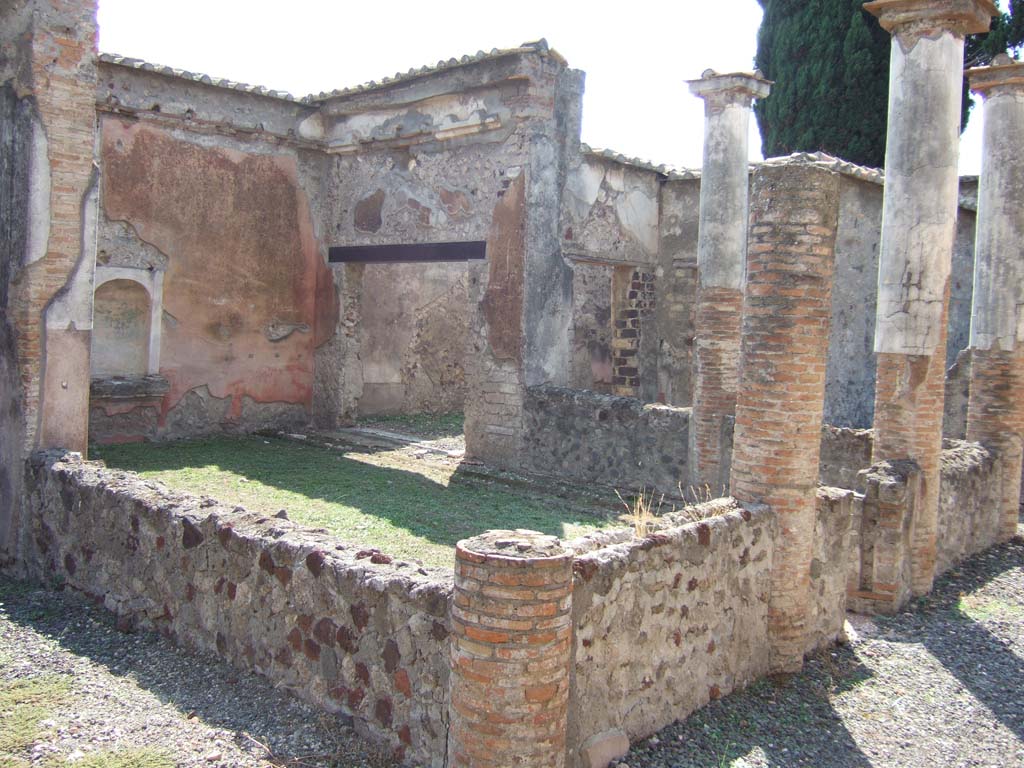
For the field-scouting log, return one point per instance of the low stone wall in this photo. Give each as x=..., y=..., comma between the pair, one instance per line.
x=844, y=453
x=594, y=438
x=348, y=630
x=970, y=498
x=829, y=567
x=667, y=623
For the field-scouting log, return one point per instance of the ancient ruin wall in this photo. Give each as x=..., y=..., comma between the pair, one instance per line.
x=844, y=453
x=850, y=382
x=442, y=158
x=969, y=502
x=826, y=611
x=209, y=183
x=675, y=316
x=667, y=623
x=605, y=439
x=348, y=630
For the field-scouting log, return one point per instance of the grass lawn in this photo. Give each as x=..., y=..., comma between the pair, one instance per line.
x=408, y=508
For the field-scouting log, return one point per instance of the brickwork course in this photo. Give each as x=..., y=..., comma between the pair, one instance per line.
x=786, y=314
x=511, y=630
x=635, y=304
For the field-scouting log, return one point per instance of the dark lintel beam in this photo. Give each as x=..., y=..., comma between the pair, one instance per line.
x=396, y=254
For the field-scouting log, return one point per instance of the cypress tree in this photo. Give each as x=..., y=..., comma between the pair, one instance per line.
x=830, y=63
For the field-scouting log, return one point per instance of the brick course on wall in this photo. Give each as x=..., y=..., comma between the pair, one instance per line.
x=343, y=628
x=634, y=304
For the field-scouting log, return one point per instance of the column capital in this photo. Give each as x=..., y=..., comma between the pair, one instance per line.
x=962, y=17
x=1003, y=75
x=731, y=88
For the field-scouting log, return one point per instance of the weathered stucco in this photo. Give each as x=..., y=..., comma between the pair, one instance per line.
x=240, y=288
x=918, y=225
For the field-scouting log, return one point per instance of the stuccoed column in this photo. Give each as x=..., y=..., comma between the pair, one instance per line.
x=721, y=260
x=995, y=413
x=918, y=230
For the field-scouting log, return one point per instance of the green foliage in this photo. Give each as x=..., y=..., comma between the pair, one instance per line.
x=830, y=63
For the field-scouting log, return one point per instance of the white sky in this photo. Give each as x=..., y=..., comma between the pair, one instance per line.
x=636, y=55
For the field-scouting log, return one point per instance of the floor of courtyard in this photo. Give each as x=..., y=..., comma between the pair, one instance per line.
x=938, y=686
x=409, y=501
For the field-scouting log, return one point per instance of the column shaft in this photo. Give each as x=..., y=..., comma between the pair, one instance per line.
x=511, y=638
x=918, y=231
x=721, y=258
x=786, y=314
x=995, y=413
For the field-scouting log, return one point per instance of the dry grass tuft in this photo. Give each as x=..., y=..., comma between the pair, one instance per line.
x=641, y=511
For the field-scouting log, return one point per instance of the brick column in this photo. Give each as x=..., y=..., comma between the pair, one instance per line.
x=511, y=633
x=918, y=230
x=995, y=411
x=786, y=312
x=721, y=255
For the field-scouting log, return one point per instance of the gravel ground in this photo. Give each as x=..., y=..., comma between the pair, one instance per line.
x=132, y=691
x=941, y=685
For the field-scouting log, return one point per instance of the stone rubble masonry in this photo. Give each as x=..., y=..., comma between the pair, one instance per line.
x=918, y=233
x=826, y=613
x=604, y=439
x=666, y=623
x=349, y=630
x=777, y=444
x=844, y=453
x=970, y=502
x=721, y=257
x=880, y=568
x=511, y=635
x=996, y=407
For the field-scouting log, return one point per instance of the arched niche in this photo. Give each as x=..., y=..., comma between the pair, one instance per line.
x=126, y=323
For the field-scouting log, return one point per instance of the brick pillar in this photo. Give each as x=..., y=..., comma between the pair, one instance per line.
x=880, y=579
x=721, y=254
x=918, y=230
x=47, y=236
x=511, y=633
x=995, y=411
x=786, y=313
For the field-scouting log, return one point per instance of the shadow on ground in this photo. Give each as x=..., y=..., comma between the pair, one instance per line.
x=794, y=721
x=196, y=685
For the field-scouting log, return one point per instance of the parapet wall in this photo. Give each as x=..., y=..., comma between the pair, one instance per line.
x=667, y=623
x=595, y=438
x=969, y=501
x=347, y=630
